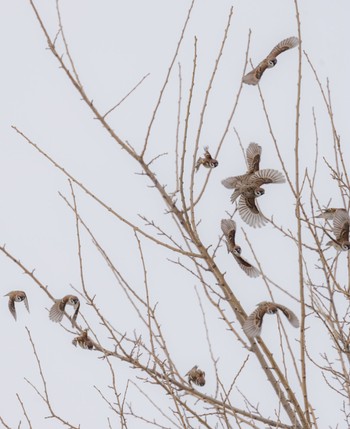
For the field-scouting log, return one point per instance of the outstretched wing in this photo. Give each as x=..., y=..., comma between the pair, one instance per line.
x=246, y=266
x=284, y=45
x=292, y=318
x=254, y=76
x=253, y=157
x=250, y=213
x=341, y=225
x=12, y=308
x=253, y=323
x=26, y=303
x=228, y=227
x=267, y=175
x=56, y=311
x=235, y=181
x=75, y=315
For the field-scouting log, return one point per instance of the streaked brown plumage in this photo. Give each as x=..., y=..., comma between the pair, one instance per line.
x=253, y=77
x=341, y=230
x=228, y=227
x=17, y=296
x=196, y=376
x=207, y=161
x=57, y=310
x=248, y=187
x=253, y=324
x=328, y=214
x=83, y=341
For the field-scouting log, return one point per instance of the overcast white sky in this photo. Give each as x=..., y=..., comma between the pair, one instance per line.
x=114, y=44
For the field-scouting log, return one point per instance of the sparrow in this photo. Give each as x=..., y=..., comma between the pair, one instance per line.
x=228, y=227
x=253, y=323
x=248, y=187
x=341, y=230
x=207, y=161
x=17, y=296
x=57, y=310
x=253, y=77
x=84, y=341
x=328, y=214
x=196, y=376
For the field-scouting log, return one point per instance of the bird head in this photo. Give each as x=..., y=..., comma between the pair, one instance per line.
x=258, y=192
x=271, y=63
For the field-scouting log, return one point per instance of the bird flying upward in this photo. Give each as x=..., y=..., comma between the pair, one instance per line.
x=253, y=77
x=207, y=161
x=248, y=186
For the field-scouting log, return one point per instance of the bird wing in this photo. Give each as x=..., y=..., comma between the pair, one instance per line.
x=228, y=227
x=284, y=45
x=341, y=225
x=246, y=266
x=292, y=318
x=56, y=311
x=253, y=157
x=254, y=76
x=12, y=308
x=76, y=307
x=26, y=303
x=249, y=212
x=267, y=175
x=253, y=323
x=235, y=181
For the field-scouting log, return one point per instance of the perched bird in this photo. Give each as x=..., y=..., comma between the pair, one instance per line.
x=248, y=187
x=196, y=376
x=84, y=341
x=253, y=323
x=57, y=310
x=207, y=161
x=17, y=296
x=228, y=227
x=341, y=230
x=328, y=214
x=253, y=77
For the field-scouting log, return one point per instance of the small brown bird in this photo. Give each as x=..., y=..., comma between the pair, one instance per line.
x=17, y=296
x=253, y=323
x=328, y=214
x=57, y=310
x=228, y=227
x=253, y=77
x=196, y=376
x=248, y=186
x=341, y=231
x=84, y=341
x=207, y=161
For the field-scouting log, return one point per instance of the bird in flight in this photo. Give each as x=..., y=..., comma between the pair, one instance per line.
x=228, y=227
x=83, y=341
x=341, y=230
x=253, y=77
x=253, y=324
x=207, y=161
x=17, y=296
x=57, y=310
x=248, y=187
x=196, y=376
x=328, y=214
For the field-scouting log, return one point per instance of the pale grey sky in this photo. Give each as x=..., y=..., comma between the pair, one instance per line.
x=114, y=44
